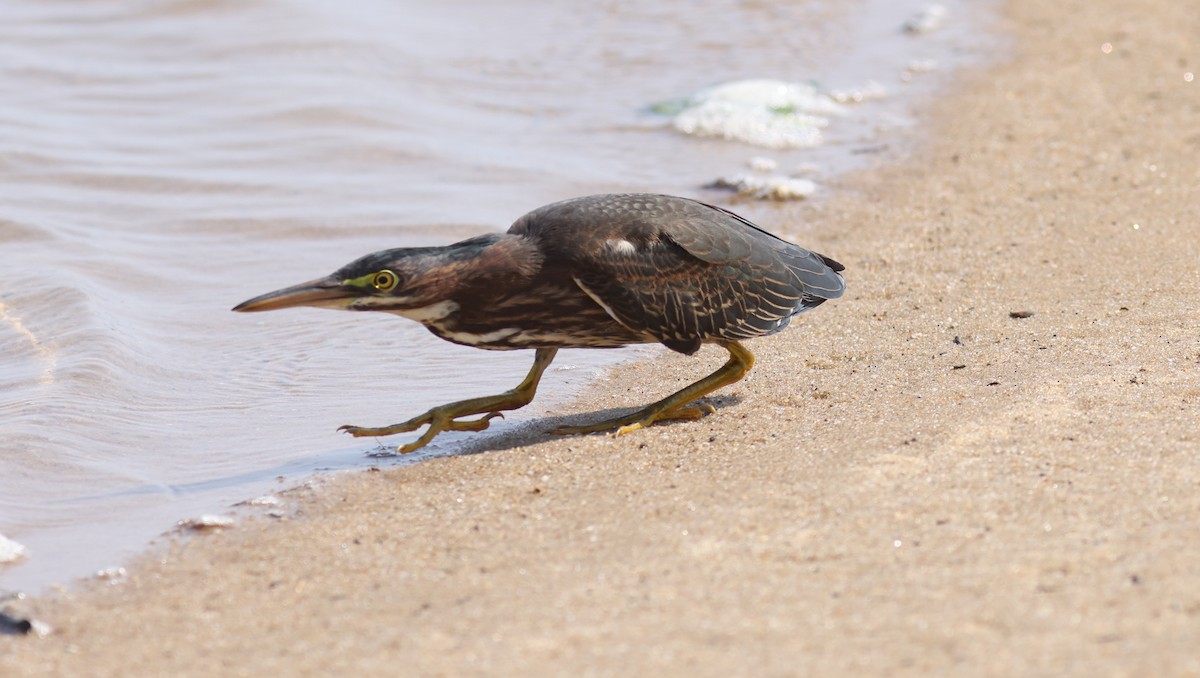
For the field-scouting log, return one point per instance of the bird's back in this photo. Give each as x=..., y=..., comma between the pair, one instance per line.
x=679, y=270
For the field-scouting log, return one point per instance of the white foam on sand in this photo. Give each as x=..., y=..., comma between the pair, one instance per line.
x=10, y=551
x=766, y=113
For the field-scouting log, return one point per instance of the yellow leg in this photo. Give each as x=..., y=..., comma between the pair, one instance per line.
x=446, y=417
x=676, y=405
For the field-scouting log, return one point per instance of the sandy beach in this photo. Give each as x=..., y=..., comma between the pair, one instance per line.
x=911, y=481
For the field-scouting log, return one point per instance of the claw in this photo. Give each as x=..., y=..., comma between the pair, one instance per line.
x=639, y=420
x=678, y=405
x=439, y=419
x=410, y=425
x=449, y=417
x=474, y=425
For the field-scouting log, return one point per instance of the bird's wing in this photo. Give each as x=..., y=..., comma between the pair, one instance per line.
x=719, y=236
x=704, y=273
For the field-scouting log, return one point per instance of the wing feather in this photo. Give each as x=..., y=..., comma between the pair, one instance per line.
x=680, y=271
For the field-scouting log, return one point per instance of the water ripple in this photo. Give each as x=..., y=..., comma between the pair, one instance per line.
x=162, y=160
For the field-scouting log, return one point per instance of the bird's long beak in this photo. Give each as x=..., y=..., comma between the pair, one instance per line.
x=327, y=292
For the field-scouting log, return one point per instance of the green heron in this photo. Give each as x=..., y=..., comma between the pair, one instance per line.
x=601, y=271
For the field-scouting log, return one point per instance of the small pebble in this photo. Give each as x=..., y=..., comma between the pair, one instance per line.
x=12, y=625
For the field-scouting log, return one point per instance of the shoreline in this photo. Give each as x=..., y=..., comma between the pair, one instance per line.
x=910, y=480
x=108, y=514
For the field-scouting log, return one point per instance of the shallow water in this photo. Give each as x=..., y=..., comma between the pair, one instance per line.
x=163, y=160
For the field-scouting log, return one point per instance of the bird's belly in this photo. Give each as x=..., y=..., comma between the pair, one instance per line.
x=511, y=338
x=535, y=323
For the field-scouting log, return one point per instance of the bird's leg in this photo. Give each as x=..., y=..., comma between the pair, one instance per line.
x=446, y=417
x=677, y=405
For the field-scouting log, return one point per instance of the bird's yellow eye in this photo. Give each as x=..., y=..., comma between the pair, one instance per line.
x=385, y=281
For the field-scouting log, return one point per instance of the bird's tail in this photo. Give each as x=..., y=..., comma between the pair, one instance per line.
x=837, y=267
x=816, y=277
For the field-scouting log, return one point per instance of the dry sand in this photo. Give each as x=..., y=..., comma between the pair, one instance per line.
x=911, y=481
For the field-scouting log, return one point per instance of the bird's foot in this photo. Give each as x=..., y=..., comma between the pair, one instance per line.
x=679, y=405
x=640, y=419
x=688, y=413
x=439, y=419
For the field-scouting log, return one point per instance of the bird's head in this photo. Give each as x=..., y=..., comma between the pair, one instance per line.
x=397, y=280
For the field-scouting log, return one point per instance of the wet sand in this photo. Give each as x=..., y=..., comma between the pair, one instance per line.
x=910, y=481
